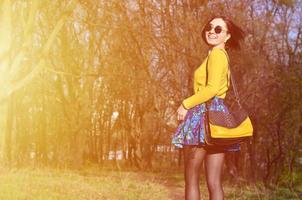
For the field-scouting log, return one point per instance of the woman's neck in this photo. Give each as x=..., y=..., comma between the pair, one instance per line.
x=219, y=46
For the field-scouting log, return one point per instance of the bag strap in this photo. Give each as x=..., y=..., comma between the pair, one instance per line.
x=234, y=86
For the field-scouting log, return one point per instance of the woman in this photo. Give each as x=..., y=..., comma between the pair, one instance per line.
x=219, y=33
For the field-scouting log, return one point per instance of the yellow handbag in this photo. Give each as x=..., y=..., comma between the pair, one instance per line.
x=218, y=133
x=227, y=128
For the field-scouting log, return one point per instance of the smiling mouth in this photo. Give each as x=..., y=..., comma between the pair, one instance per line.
x=212, y=36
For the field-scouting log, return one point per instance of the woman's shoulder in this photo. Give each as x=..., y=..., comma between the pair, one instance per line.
x=218, y=53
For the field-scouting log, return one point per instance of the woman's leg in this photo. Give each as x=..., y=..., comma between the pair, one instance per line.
x=193, y=158
x=214, y=167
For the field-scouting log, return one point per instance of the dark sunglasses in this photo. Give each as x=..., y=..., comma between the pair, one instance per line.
x=218, y=29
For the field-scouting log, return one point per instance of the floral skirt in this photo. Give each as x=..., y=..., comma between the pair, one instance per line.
x=191, y=130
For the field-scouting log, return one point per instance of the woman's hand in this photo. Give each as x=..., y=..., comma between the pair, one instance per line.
x=181, y=112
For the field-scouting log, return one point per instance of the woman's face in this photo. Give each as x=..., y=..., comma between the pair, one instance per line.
x=217, y=33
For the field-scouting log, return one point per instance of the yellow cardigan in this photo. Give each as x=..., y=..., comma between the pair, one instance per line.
x=218, y=73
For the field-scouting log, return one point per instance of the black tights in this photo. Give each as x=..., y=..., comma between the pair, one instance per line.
x=193, y=157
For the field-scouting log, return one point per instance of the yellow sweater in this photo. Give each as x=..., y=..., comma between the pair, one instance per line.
x=217, y=79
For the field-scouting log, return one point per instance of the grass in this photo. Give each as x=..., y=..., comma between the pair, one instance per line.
x=42, y=184
x=95, y=184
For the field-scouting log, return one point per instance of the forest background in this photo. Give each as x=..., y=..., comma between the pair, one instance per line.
x=98, y=83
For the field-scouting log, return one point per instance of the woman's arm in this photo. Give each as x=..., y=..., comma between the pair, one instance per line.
x=216, y=65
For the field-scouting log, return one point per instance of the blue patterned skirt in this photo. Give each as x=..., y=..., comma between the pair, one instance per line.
x=193, y=126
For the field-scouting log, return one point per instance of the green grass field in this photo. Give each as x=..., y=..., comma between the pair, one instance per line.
x=94, y=184
x=67, y=185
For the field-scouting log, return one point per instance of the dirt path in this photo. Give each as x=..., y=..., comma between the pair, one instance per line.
x=176, y=192
x=174, y=186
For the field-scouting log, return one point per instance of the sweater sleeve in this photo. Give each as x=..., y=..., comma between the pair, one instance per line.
x=217, y=62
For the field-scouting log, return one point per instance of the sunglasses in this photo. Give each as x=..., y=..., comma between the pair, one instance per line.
x=218, y=29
